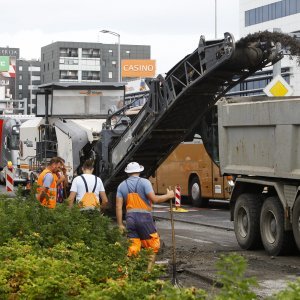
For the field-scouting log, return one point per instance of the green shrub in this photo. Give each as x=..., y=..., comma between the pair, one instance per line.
x=291, y=292
x=22, y=218
x=151, y=290
x=231, y=269
x=66, y=254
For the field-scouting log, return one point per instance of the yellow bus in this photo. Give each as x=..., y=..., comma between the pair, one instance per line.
x=199, y=177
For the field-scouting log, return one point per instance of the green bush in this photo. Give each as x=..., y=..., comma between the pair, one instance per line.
x=22, y=218
x=291, y=292
x=231, y=271
x=66, y=254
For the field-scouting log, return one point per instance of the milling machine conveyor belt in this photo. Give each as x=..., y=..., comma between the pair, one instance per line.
x=178, y=101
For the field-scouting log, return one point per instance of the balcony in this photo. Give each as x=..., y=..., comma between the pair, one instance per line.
x=94, y=55
x=72, y=77
x=91, y=78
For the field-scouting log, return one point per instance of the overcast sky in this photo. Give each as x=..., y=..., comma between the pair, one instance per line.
x=171, y=27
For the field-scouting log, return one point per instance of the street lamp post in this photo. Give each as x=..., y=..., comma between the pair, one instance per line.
x=119, y=51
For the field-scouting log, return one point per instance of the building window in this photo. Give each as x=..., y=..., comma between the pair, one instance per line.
x=70, y=75
x=20, y=77
x=91, y=75
x=20, y=68
x=110, y=75
x=110, y=52
x=68, y=52
x=271, y=11
x=265, y=14
x=68, y=61
x=20, y=96
x=91, y=53
x=114, y=63
x=255, y=86
x=34, y=69
x=20, y=87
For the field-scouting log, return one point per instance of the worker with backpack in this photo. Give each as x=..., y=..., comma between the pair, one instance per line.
x=86, y=189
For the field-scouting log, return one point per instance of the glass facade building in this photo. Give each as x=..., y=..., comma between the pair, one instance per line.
x=271, y=11
x=268, y=15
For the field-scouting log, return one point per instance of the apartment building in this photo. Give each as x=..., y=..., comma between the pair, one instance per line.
x=86, y=62
x=28, y=78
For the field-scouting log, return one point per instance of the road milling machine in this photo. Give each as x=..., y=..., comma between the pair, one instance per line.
x=74, y=121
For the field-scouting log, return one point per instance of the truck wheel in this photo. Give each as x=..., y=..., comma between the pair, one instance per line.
x=274, y=238
x=296, y=222
x=246, y=221
x=195, y=193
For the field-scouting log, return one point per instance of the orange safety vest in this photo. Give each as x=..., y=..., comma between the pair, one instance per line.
x=50, y=199
x=134, y=202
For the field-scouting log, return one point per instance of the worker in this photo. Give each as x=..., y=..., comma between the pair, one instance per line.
x=62, y=182
x=47, y=183
x=87, y=188
x=138, y=195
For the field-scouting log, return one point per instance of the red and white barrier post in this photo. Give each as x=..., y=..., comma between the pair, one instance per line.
x=177, y=196
x=9, y=177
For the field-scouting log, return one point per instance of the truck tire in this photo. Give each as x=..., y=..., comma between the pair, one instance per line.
x=195, y=193
x=275, y=239
x=296, y=222
x=246, y=221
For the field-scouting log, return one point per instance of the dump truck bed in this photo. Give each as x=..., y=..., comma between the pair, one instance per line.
x=260, y=137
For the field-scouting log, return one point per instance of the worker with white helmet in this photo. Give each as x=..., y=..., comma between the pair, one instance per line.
x=138, y=195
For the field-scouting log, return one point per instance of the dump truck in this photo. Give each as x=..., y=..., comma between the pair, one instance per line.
x=257, y=141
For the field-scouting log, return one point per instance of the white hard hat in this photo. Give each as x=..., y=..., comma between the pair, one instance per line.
x=134, y=167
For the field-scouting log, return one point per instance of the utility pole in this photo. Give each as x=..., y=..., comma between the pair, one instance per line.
x=216, y=19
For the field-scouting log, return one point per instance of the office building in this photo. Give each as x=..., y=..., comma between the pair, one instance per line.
x=27, y=81
x=8, y=58
x=87, y=62
x=261, y=15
